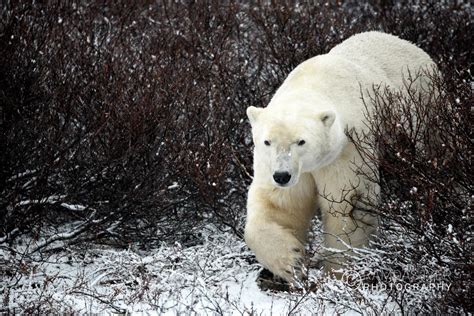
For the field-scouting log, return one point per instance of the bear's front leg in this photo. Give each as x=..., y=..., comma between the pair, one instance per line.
x=277, y=225
x=276, y=248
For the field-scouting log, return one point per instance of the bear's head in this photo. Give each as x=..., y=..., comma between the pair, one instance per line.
x=288, y=144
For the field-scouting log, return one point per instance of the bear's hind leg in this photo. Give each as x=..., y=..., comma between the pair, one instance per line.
x=345, y=231
x=345, y=227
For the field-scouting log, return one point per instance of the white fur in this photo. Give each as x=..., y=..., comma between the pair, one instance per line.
x=316, y=103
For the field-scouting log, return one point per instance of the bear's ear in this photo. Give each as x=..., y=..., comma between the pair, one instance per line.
x=327, y=117
x=253, y=113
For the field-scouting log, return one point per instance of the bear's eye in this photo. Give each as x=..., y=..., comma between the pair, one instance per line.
x=267, y=143
x=301, y=143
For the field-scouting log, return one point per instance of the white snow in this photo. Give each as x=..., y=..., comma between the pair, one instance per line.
x=47, y=200
x=175, y=185
x=450, y=228
x=73, y=207
x=215, y=277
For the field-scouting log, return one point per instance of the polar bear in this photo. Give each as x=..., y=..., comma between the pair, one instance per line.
x=303, y=159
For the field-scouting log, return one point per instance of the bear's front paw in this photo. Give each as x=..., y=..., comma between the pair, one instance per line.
x=278, y=250
x=289, y=264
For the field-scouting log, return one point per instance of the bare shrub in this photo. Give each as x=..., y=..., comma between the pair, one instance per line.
x=424, y=145
x=118, y=121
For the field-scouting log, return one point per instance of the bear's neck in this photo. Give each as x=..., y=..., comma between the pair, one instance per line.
x=338, y=141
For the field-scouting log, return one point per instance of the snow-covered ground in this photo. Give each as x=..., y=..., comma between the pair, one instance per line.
x=217, y=276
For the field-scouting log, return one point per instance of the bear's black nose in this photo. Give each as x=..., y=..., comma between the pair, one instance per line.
x=281, y=177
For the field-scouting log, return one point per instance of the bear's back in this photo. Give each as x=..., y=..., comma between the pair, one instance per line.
x=386, y=52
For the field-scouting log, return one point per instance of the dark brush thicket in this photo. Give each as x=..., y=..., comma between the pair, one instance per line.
x=126, y=121
x=424, y=160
